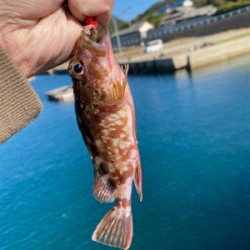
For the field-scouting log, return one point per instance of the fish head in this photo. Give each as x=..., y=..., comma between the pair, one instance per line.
x=97, y=77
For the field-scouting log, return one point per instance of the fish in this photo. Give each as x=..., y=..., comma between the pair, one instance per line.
x=106, y=119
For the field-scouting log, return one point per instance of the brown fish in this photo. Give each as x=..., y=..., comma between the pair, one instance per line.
x=106, y=119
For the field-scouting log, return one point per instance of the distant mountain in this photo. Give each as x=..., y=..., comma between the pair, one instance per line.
x=222, y=6
x=149, y=15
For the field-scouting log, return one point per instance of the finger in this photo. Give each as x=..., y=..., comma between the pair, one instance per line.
x=33, y=9
x=82, y=8
x=50, y=42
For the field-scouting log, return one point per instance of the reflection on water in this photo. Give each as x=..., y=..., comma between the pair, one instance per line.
x=193, y=133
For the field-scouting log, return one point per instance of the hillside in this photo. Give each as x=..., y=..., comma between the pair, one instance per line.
x=222, y=5
x=149, y=16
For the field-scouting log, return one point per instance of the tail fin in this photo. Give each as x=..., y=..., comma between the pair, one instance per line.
x=115, y=229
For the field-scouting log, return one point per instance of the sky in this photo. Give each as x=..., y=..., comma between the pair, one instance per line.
x=129, y=9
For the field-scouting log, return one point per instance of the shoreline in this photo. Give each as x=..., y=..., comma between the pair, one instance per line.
x=185, y=53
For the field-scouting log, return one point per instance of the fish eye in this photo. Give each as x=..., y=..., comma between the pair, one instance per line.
x=78, y=68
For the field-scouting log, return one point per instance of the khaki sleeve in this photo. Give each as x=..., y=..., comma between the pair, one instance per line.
x=19, y=104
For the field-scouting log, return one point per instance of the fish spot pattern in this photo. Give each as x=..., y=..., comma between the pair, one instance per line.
x=117, y=144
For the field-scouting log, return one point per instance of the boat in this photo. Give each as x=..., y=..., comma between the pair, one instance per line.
x=62, y=94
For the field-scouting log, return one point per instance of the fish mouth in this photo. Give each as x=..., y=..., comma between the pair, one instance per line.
x=107, y=44
x=98, y=43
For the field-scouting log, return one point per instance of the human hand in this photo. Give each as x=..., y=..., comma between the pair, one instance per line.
x=40, y=34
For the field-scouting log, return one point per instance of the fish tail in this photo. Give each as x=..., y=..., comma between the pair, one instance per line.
x=116, y=228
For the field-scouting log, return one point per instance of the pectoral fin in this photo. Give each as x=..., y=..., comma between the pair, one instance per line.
x=116, y=93
x=125, y=69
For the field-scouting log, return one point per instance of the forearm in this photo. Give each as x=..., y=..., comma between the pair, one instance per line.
x=35, y=36
x=19, y=104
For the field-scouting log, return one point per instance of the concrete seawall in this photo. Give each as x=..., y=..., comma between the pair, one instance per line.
x=194, y=59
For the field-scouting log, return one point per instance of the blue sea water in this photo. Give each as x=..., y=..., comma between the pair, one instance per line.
x=194, y=140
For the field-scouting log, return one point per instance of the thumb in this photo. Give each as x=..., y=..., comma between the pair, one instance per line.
x=82, y=8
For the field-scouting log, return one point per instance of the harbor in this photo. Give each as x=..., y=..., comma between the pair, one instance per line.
x=191, y=53
x=186, y=45
x=184, y=53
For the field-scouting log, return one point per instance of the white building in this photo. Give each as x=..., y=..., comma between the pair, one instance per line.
x=133, y=35
x=183, y=13
x=170, y=7
x=187, y=3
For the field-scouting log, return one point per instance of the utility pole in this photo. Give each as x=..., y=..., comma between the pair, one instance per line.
x=118, y=40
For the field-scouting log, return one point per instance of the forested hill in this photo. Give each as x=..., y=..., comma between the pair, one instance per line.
x=222, y=5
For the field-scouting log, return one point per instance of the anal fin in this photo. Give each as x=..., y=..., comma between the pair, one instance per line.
x=103, y=190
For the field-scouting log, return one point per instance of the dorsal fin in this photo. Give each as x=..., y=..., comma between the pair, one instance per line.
x=125, y=69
